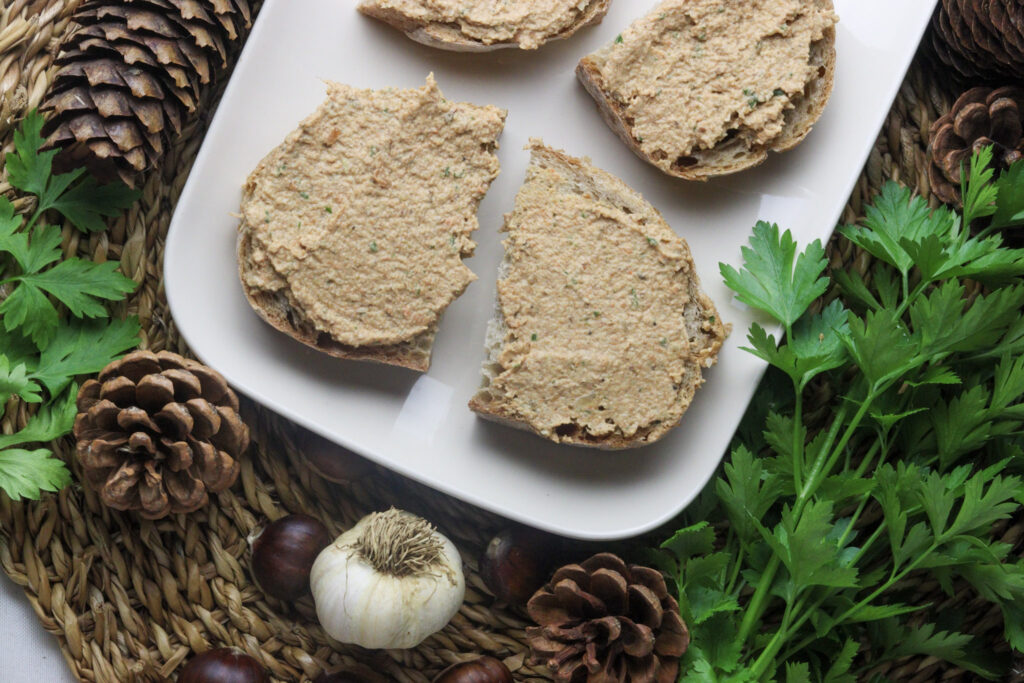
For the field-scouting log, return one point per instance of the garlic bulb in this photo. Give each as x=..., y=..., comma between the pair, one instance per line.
x=388, y=582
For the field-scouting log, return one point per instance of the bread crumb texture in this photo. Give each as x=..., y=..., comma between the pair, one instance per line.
x=526, y=23
x=606, y=331
x=693, y=73
x=360, y=219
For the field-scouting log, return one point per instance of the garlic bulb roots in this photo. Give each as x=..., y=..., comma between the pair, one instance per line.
x=388, y=582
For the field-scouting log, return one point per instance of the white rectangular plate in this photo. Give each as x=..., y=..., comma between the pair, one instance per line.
x=420, y=425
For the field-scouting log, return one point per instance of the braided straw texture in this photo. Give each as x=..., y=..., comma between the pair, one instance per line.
x=131, y=599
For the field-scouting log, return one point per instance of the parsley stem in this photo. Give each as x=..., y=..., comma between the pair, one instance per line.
x=866, y=545
x=894, y=578
x=841, y=543
x=757, y=606
x=734, y=575
x=824, y=461
x=787, y=629
x=806, y=614
x=35, y=216
x=798, y=437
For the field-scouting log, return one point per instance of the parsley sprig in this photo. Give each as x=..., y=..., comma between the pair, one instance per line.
x=921, y=453
x=55, y=320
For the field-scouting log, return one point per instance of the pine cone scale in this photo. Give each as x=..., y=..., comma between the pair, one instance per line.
x=118, y=388
x=102, y=414
x=153, y=498
x=121, y=488
x=646, y=605
x=186, y=385
x=637, y=639
x=75, y=99
x=142, y=442
x=610, y=587
x=971, y=121
x=233, y=434
x=1006, y=125
x=154, y=391
x=651, y=578
x=642, y=669
x=108, y=103
x=674, y=638
x=576, y=600
x=179, y=454
x=187, y=490
x=101, y=454
x=151, y=438
x=205, y=418
x=133, y=418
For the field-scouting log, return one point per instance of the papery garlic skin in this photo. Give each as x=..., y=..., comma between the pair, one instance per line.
x=356, y=603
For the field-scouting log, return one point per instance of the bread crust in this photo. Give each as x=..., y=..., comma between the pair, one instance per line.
x=448, y=37
x=799, y=121
x=414, y=355
x=708, y=337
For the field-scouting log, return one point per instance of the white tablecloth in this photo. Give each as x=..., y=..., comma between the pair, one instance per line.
x=28, y=654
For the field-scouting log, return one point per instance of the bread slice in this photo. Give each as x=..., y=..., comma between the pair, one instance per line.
x=354, y=228
x=703, y=88
x=602, y=331
x=486, y=25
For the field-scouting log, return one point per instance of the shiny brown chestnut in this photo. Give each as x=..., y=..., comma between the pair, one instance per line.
x=223, y=665
x=481, y=670
x=352, y=673
x=517, y=562
x=283, y=554
x=339, y=677
x=329, y=460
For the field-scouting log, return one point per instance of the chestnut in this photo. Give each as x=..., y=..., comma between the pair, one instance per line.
x=283, y=554
x=357, y=673
x=481, y=670
x=329, y=460
x=223, y=665
x=339, y=677
x=517, y=562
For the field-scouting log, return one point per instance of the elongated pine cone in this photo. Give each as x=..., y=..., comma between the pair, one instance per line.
x=157, y=433
x=129, y=76
x=602, y=621
x=979, y=40
x=979, y=118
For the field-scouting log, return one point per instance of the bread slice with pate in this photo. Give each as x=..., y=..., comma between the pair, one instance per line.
x=483, y=25
x=602, y=332
x=703, y=88
x=354, y=228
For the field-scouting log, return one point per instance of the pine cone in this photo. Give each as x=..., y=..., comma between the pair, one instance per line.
x=980, y=40
x=601, y=621
x=979, y=118
x=129, y=76
x=157, y=432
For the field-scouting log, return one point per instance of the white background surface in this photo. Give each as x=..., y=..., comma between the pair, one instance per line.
x=277, y=85
x=28, y=654
x=420, y=426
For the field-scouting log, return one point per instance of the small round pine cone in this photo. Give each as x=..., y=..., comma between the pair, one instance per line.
x=602, y=621
x=980, y=117
x=157, y=433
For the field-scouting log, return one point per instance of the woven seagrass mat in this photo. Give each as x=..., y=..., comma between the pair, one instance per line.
x=131, y=599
